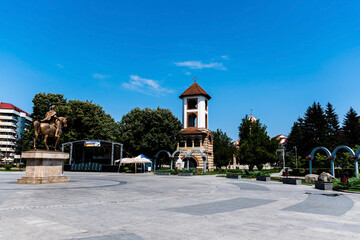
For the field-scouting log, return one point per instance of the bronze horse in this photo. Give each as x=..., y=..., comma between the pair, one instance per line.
x=48, y=130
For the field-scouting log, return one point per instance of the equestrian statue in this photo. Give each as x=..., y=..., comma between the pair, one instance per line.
x=50, y=126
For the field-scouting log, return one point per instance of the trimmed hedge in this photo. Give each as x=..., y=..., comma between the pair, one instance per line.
x=338, y=172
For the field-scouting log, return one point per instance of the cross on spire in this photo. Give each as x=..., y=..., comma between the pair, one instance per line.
x=251, y=110
x=195, y=78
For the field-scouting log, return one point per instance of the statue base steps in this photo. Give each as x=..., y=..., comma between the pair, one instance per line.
x=43, y=166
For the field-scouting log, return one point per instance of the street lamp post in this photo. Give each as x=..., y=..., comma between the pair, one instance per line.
x=284, y=158
x=295, y=148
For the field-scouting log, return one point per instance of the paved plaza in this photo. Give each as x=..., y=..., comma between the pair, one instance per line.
x=146, y=206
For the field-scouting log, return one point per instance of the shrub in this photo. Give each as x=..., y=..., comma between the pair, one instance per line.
x=260, y=167
x=338, y=172
x=187, y=171
x=8, y=166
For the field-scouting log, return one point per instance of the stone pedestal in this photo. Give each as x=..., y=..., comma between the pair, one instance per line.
x=44, y=166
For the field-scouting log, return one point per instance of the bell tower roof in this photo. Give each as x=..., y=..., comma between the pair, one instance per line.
x=194, y=90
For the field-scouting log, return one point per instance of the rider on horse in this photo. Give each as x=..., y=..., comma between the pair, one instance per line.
x=51, y=118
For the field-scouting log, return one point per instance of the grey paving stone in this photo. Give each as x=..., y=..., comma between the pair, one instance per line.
x=221, y=206
x=324, y=204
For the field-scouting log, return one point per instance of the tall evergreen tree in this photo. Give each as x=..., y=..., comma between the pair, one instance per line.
x=256, y=147
x=315, y=127
x=296, y=137
x=333, y=127
x=351, y=128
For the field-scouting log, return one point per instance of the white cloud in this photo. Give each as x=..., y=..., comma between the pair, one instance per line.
x=147, y=86
x=201, y=65
x=100, y=76
x=59, y=65
x=187, y=73
x=226, y=57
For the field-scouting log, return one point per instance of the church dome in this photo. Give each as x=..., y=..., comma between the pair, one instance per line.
x=252, y=118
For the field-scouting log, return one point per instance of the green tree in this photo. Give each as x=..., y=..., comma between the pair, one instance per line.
x=315, y=127
x=147, y=131
x=86, y=120
x=351, y=128
x=296, y=138
x=41, y=104
x=256, y=147
x=223, y=148
x=332, y=119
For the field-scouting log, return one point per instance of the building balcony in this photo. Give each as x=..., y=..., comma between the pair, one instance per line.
x=7, y=130
x=7, y=124
x=4, y=150
x=7, y=143
x=7, y=137
x=2, y=117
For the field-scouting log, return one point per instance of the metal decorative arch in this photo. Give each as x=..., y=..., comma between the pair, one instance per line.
x=157, y=155
x=327, y=152
x=173, y=155
x=351, y=153
x=203, y=157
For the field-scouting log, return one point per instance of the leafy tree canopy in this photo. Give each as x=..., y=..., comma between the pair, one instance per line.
x=86, y=120
x=223, y=148
x=147, y=131
x=256, y=147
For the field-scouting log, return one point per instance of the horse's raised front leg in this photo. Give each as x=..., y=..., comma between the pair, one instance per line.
x=45, y=141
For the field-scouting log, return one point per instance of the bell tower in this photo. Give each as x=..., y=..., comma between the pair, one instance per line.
x=196, y=133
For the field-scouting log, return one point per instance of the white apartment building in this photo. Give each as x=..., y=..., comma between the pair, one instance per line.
x=13, y=122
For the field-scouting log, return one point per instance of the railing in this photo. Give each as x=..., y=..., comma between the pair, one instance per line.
x=7, y=150
x=7, y=118
x=7, y=143
x=8, y=130
x=7, y=137
x=8, y=124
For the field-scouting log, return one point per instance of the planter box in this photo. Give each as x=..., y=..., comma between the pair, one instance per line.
x=293, y=181
x=233, y=176
x=262, y=178
x=163, y=173
x=185, y=174
x=323, y=185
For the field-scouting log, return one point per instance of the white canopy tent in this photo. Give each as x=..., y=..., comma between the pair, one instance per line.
x=134, y=160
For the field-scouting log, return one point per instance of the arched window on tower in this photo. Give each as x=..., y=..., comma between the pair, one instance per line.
x=189, y=142
x=192, y=103
x=192, y=120
x=196, y=142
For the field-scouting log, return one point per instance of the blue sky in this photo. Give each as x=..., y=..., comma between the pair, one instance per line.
x=275, y=57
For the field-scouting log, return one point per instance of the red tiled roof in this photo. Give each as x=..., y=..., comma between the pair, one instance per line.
x=193, y=90
x=193, y=130
x=10, y=106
